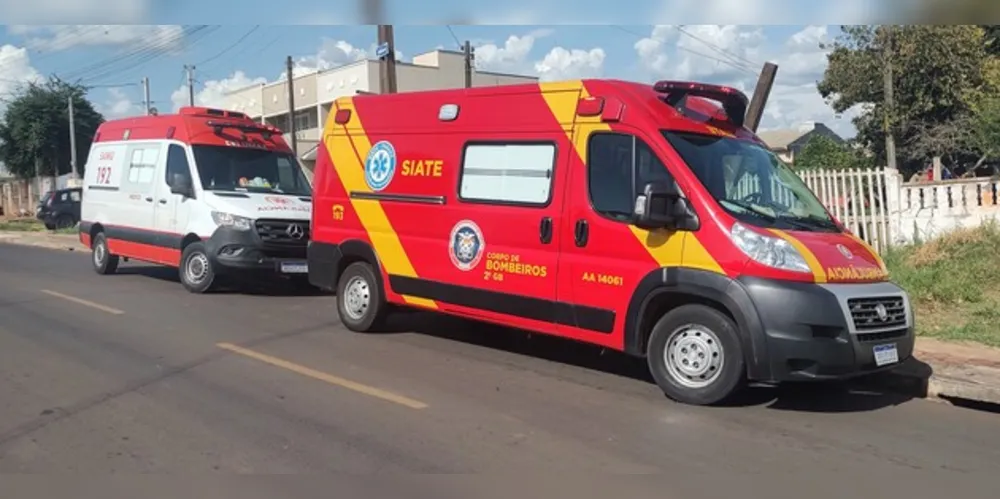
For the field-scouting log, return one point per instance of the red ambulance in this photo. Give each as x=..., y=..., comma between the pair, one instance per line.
x=642, y=218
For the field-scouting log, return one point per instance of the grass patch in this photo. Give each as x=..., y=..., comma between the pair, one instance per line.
x=954, y=283
x=31, y=225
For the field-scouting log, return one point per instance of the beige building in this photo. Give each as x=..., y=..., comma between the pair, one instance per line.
x=315, y=93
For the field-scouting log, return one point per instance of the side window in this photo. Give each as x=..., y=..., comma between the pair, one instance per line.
x=177, y=163
x=74, y=196
x=508, y=173
x=142, y=165
x=64, y=197
x=618, y=165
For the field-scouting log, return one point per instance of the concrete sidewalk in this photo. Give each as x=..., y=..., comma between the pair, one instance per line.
x=938, y=369
x=69, y=242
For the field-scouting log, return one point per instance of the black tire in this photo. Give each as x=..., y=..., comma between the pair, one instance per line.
x=64, y=222
x=698, y=378
x=372, y=315
x=101, y=257
x=195, y=271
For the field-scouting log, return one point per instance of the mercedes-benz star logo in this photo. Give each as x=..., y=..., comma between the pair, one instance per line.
x=295, y=231
x=883, y=314
x=844, y=251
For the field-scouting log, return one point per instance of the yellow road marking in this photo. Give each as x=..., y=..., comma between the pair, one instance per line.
x=341, y=140
x=324, y=377
x=81, y=301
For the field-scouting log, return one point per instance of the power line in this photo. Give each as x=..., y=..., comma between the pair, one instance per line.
x=729, y=63
x=137, y=56
x=453, y=35
x=716, y=48
x=150, y=56
x=227, y=49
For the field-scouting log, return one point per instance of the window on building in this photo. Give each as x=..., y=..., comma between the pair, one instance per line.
x=306, y=119
x=618, y=166
x=508, y=173
x=143, y=164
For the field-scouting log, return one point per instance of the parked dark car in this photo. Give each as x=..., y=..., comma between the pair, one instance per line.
x=60, y=209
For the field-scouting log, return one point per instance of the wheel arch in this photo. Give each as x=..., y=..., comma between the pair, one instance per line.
x=356, y=250
x=664, y=289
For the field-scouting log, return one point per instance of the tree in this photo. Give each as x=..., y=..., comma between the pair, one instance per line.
x=35, y=128
x=823, y=152
x=938, y=71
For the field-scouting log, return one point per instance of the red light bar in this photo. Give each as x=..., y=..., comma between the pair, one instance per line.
x=734, y=102
x=265, y=130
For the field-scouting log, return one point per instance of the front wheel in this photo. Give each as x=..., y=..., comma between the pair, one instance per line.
x=695, y=355
x=196, y=272
x=359, y=299
x=104, y=262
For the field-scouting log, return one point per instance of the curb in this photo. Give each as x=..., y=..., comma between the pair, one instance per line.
x=20, y=240
x=958, y=385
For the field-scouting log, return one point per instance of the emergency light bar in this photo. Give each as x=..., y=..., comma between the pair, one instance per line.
x=265, y=130
x=734, y=102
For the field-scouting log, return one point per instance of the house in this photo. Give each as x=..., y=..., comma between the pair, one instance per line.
x=316, y=92
x=786, y=143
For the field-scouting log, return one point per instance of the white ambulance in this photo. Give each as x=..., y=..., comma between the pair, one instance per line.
x=206, y=191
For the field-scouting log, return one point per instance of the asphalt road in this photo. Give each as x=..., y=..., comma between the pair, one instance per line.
x=130, y=373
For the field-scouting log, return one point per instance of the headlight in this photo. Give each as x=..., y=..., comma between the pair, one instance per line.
x=233, y=221
x=771, y=251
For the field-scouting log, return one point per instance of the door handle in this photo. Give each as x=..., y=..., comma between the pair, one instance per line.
x=545, y=230
x=149, y=200
x=581, y=233
x=163, y=201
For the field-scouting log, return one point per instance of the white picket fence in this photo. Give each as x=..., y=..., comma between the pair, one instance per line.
x=885, y=211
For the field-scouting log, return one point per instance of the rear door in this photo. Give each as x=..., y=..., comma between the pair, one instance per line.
x=603, y=254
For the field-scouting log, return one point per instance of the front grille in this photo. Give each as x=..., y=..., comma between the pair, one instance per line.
x=275, y=234
x=865, y=312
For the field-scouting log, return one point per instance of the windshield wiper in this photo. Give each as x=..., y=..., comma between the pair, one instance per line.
x=751, y=209
x=810, y=222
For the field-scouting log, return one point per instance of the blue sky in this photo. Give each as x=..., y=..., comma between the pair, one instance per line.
x=230, y=56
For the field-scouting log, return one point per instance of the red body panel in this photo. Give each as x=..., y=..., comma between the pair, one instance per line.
x=412, y=233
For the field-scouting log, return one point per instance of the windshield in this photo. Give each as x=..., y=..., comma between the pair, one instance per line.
x=751, y=183
x=235, y=169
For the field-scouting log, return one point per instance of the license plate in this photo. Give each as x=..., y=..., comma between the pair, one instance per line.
x=886, y=354
x=294, y=268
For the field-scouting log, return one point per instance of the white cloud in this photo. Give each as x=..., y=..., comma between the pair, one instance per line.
x=333, y=53
x=213, y=92
x=76, y=11
x=559, y=63
x=777, y=12
x=562, y=64
x=118, y=104
x=697, y=54
x=55, y=38
x=15, y=71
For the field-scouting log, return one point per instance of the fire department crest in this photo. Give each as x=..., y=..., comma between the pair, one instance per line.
x=380, y=165
x=466, y=245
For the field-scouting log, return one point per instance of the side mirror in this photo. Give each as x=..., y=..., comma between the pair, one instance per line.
x=661, y=206
x=181, y=184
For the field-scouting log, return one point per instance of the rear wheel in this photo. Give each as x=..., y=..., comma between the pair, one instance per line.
x=359, y=299
x=196, y=272
x=104, y=262
x=695, y=355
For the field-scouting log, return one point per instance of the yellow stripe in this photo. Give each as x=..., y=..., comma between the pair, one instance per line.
x=350, y=171
x=668, y=249
x=817, y=269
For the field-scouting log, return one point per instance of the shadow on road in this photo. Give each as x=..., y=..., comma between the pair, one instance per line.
x=872, y=393
x=251, y=286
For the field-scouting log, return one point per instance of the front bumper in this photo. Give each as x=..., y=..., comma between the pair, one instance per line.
x=812, y=333
x=242, y=251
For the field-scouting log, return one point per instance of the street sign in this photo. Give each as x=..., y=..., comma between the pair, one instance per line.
x=382, y=51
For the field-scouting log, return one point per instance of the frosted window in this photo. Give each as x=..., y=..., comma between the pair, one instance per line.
x=510, y=173
x=143, y=166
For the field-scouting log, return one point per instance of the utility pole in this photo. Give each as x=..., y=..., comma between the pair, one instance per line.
x=190, y=79
x=72, y=140
x=145, y=95
x=890, y=100
x=291, y=106
x=755, y=111
x=387, y=62
x=469, y=58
